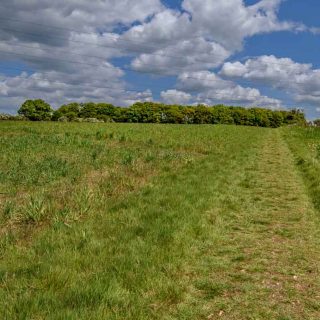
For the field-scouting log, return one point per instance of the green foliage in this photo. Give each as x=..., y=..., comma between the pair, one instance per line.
x=6, y=117
x=35, y=210
x=316, y=122
x=70, y=111
x=294, y=116
x=36, y=110
x=305, y=146
x=150, y=112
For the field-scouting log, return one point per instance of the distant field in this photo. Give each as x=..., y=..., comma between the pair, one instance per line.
x=133, y=221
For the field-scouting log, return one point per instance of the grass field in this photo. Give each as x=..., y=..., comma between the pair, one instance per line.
x=120, y=221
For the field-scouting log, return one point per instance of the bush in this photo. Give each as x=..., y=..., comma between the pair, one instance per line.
x=36, y=110
x=150, y=112
x=63, y=119
x=105, y=118
x=4, y=116
x=92, y=120
x=316, y=122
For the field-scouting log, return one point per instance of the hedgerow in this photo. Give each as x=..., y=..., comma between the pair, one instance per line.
x=150, y=112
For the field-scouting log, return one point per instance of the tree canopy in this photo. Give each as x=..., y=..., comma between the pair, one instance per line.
x=36, y=110
x=150, y=112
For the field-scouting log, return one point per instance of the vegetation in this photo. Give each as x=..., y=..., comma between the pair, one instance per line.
x=316, y=122
x=6, y=117
x=139, y=221
x=36, y=110
x=149, y=112
x=305, y=145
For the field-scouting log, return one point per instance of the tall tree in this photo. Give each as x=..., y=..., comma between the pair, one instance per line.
x=36, y=110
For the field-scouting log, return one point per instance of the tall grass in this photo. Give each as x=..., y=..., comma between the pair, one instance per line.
x=169, y=222
x=305, y=145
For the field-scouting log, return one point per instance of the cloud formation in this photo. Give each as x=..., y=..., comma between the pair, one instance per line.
x=299, y=80
x=175, y=97
x=84, y=50
x=213, y=89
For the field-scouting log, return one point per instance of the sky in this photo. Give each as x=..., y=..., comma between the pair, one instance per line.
x=249, y=53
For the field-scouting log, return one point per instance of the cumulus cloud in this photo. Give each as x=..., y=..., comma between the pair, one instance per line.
x=227, y=23
x=280, y=72
x=69, y=62
x=203, y=36
x=214, y=90
x=75, y=60
x=186, y=55
x=299, y=80
x=80, y=15
x=58, y=88
x=230, y=22
x=175, y=97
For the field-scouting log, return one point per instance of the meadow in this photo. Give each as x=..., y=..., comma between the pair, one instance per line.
x=153, y=221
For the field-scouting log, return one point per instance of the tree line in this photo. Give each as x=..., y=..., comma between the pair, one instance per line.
x=150, y=112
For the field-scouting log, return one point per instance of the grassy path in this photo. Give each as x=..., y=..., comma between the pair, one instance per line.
x=276, y=236
x=232, y=235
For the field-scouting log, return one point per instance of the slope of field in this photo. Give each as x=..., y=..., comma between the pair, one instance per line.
x=305, y=146
x=115, y=221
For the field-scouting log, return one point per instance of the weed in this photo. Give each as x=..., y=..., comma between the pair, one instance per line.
x=127, y=159
x=100, y=135
x=35, y=209
x=9, y=210
x=150, y=157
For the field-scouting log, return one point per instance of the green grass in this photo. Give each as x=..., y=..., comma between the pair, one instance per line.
x=305, y=146
x=118, y=221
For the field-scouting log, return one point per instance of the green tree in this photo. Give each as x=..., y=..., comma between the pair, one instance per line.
x=89, y=110
x=202, y=115
x=316, y=122
x=71, y=111
x=105, y=109
x=36, y=110
x=276, y=119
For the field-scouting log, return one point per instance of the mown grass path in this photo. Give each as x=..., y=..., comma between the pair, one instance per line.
x=276, y=235
x=232, y=235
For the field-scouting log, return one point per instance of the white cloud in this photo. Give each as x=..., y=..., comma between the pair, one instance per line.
x=175, y=97
x=186, y=55
x=229, y=22
x=81, y=15
x=214, y=90
x=201, y=38
x=159, y=41
x=280, y=72
x=164, y=29
x=58, y=88
x=71, y=61
x=298, y=80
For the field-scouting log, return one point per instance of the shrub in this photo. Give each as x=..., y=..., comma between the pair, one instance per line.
x=316, y=122
x=92, y=120
x=36, y=110
x=63, y=119
x=105, y=118
x=4, y=117
x=150, y=112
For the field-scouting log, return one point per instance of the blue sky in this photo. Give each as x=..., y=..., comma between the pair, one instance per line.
x=251, y=53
